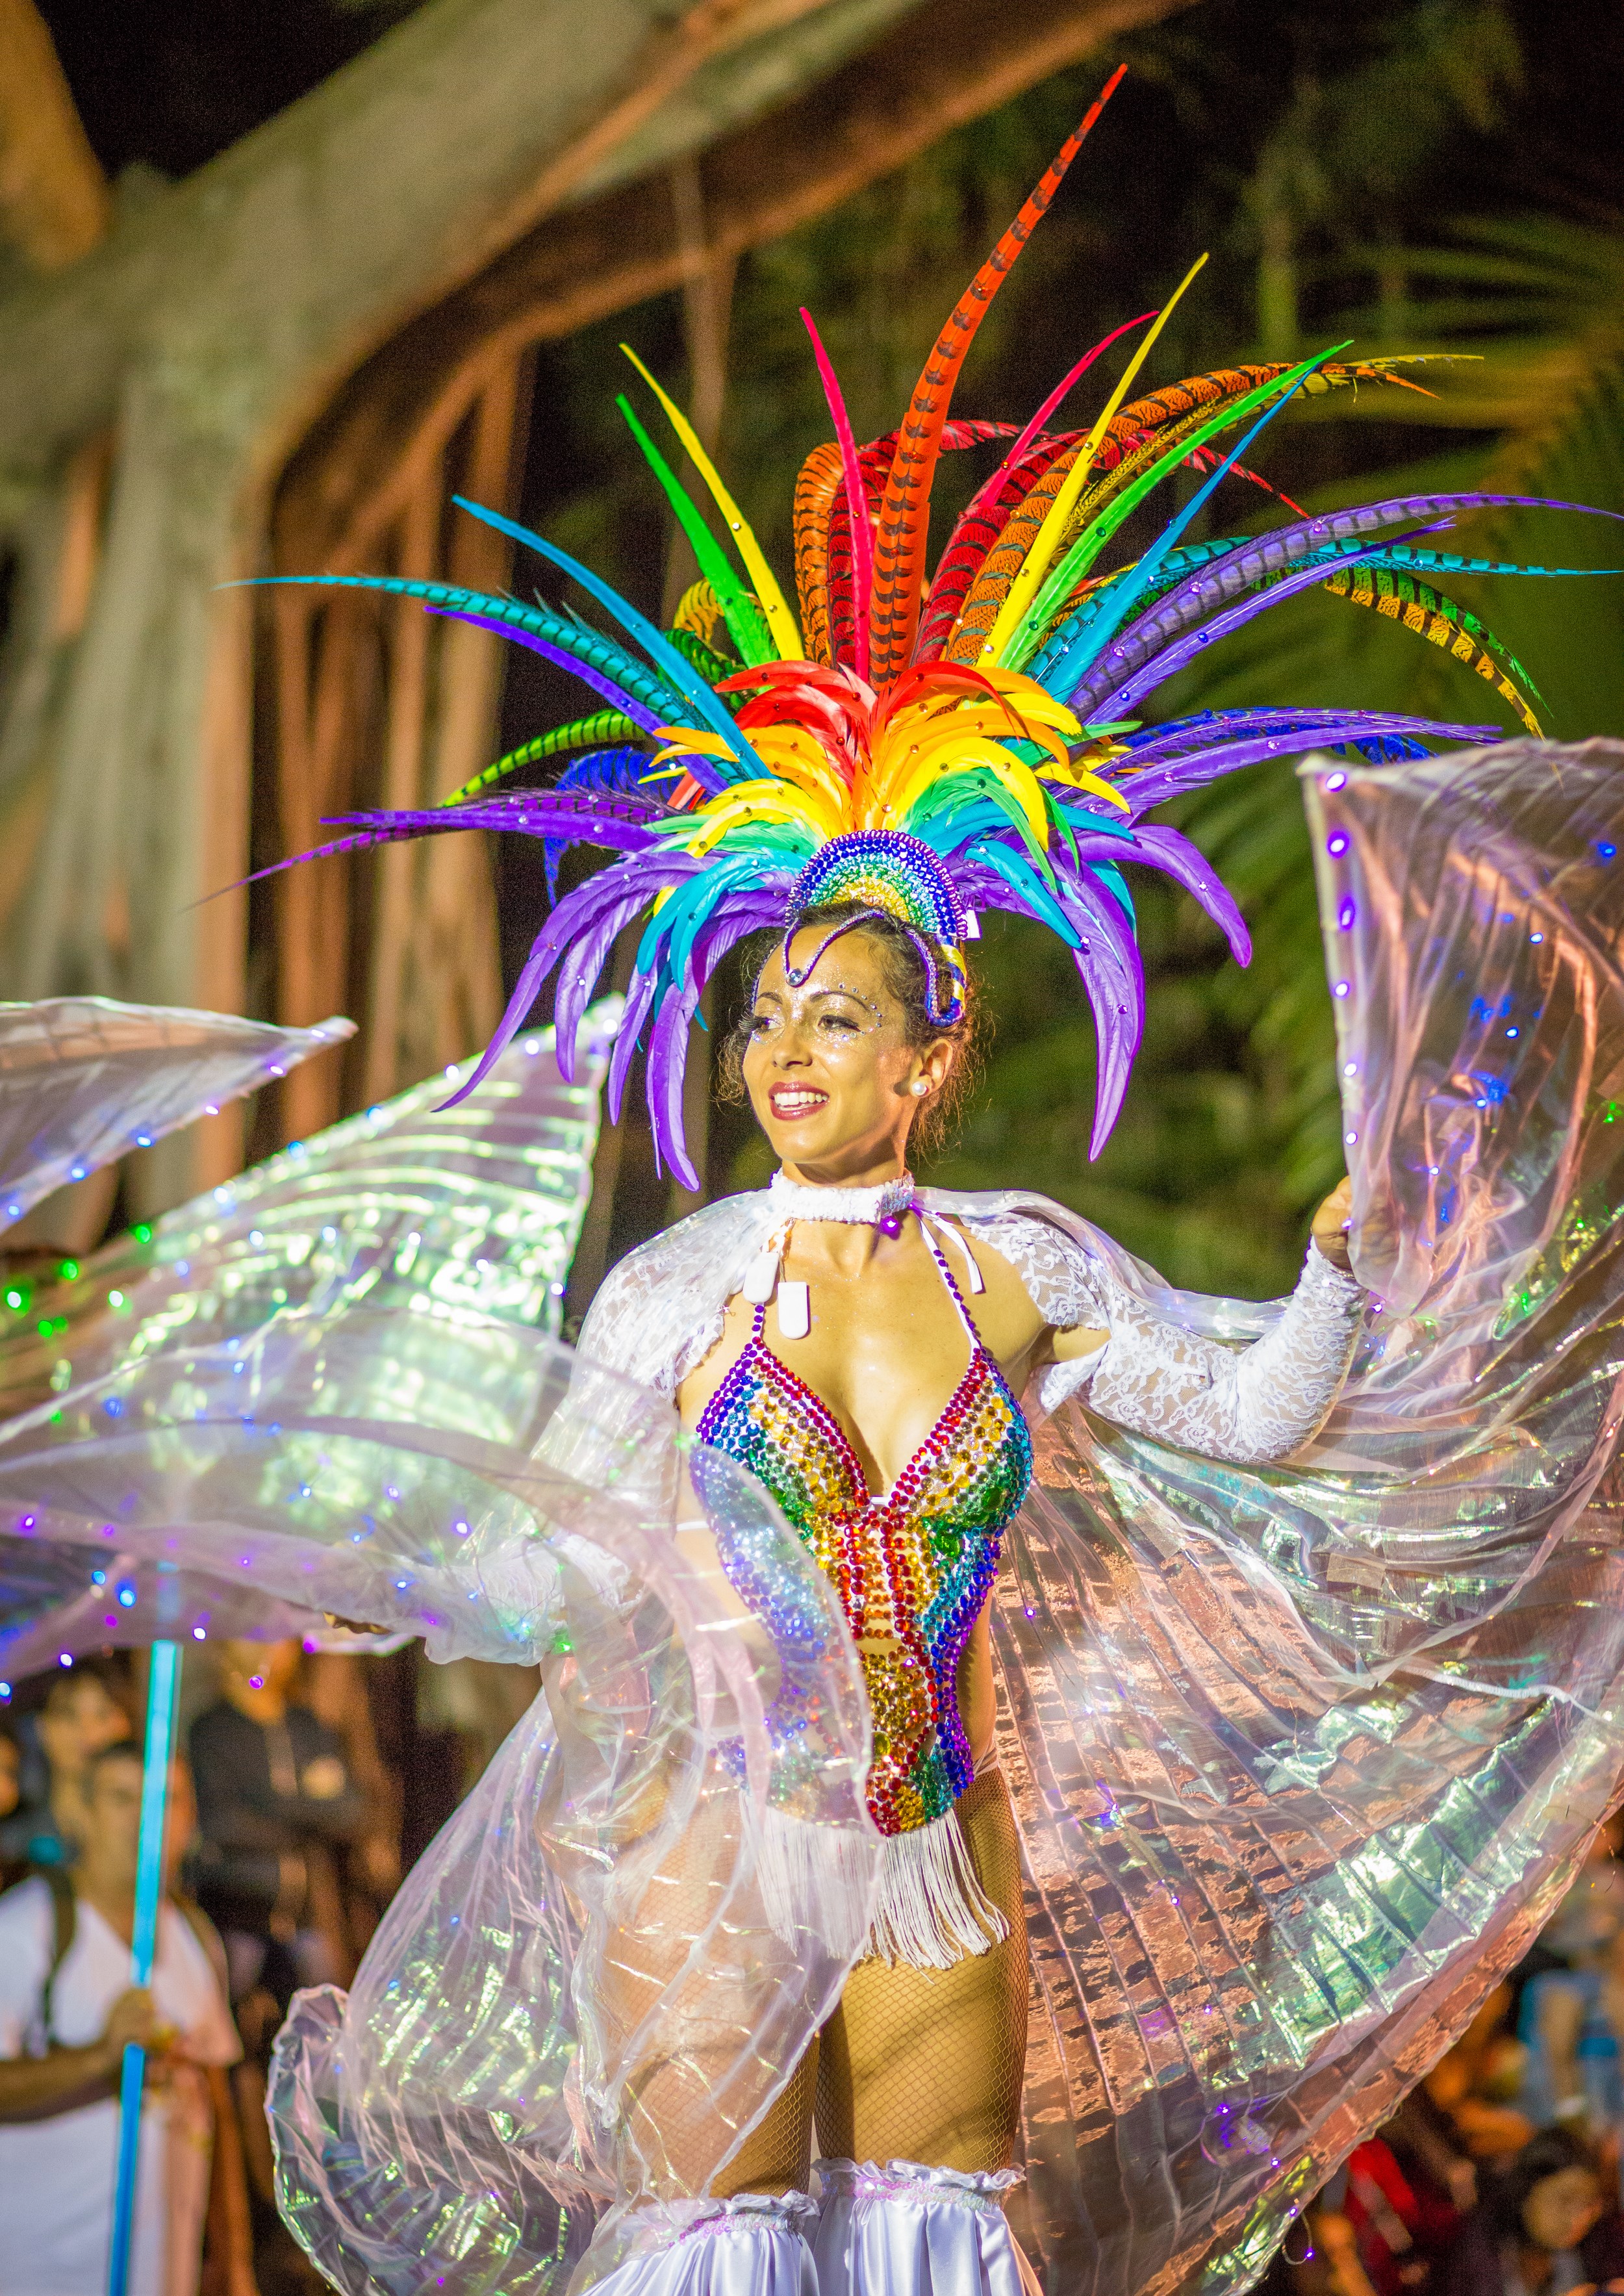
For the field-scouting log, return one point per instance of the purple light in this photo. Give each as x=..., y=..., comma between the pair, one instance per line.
x=64, y=1658
x=1337, y=843
x=1346, y=914
x=1350, y=1137
x=1336, y=781
x=1340, y=988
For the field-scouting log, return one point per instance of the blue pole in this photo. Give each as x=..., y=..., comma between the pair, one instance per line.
x=163, y=1681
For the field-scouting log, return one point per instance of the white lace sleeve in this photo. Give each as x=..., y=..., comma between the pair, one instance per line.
x=1248, y=1404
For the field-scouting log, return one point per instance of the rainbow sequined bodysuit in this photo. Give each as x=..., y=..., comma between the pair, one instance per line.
x=913, y=1567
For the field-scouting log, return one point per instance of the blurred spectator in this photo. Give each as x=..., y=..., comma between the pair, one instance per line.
x=67, y=2010
x=1408, y=2189
x=1543, y=2228
x=334, y=1685
x=80, y=1717
x=1573, y=2016
x=275, y=1800
x=10, y=1796
x=1474, y=2085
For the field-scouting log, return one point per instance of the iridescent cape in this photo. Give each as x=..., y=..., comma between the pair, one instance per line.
x=1301, y=1756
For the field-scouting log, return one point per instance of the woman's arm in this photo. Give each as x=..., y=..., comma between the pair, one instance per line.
x=1248, y=1404
x=1251, y=1405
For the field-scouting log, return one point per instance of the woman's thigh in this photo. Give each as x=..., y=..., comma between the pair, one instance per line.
x=926, y=2064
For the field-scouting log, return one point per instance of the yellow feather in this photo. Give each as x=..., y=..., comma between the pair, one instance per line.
x=1020, y=780
x=1024, y=589
x=1079, y=777
x=785, y=630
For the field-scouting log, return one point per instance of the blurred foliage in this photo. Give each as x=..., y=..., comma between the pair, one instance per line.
x=1435, y=175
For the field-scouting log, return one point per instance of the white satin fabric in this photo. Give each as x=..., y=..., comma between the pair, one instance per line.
x=755, y=2245
x=897, y=2230
x=904, y=2230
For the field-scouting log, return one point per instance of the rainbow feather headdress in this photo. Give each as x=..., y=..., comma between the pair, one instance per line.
x=934, y=747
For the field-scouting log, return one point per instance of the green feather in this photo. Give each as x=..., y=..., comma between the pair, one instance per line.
x=604, y=729
x=745, y=625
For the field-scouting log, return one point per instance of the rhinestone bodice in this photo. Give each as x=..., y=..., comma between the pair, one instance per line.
x=913, y=1567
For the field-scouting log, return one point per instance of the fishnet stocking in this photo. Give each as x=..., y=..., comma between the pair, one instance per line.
x=916, y=2064
x=926, y=2064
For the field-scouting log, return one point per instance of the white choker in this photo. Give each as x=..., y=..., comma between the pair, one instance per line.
x=884, y=1208
x=856, y=1207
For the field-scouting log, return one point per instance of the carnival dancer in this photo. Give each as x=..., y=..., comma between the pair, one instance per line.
x=1072, y=1750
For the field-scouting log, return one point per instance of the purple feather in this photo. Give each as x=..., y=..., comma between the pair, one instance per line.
x=577, y=912
x=1127, y=650
x=1173, y=776
x=1181, y=737
x=639, y=996
x=1114, y=988
x=1172, y=659
x=615, y=695
x=733, y=918
x=578, y=973
x=584, y=816
x=1171, y=852
x=667, y=1062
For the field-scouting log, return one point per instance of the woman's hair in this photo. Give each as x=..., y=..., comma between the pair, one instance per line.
x=905, y=976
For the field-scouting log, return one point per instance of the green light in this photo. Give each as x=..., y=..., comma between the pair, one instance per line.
x=68, y=1269
x=142, y=1232
x=15, y=1299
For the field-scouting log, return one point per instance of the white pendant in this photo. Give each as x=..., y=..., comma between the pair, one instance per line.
x=759, y=1278
x=794, y=1310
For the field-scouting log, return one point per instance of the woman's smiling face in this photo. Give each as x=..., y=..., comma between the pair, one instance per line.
x=830, y=1073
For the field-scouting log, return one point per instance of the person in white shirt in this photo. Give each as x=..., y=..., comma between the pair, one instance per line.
x=67, y=2010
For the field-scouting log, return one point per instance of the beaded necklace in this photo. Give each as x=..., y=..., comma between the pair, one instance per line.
x=913, y=1565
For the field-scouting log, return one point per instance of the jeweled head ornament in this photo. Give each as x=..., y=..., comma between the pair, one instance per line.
x=930, y=747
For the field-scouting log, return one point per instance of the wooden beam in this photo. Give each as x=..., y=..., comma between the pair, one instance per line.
x=288, y=258
x=352, y=476
x=54, y=203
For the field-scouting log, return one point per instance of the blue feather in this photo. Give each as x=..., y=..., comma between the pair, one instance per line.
x=658, y=650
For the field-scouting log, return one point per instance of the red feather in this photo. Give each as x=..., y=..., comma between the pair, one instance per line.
x=899, y=540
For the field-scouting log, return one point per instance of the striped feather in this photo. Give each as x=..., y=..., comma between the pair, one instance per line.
x=1214, y=581
x=875, y=462
x=604, y=726
x=855, y=494
x=1133, y=435
x=1416, y=606
x=904, y=514
x=699, y=611
x=607, y=668
x=979, y=532
x=820, y=481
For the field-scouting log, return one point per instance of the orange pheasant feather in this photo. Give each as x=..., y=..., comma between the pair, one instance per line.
x=905, y=514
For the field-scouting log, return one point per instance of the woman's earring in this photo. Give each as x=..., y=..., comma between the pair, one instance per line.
x=922, y=1084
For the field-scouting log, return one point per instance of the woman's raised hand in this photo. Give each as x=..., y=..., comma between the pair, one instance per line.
x=1331, y=1224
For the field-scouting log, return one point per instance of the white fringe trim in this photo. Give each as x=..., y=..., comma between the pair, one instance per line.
x=928, y=1912
x=931, y=1911
x=815, y=1877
